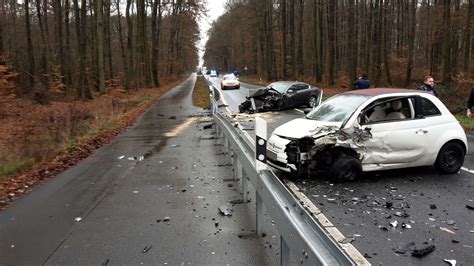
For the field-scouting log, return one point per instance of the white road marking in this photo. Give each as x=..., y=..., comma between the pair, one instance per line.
x=467, y=170
x=330, y=228
x=181, y=127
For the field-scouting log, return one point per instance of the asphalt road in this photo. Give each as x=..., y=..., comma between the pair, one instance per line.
x=151, y=196
x=432, y=205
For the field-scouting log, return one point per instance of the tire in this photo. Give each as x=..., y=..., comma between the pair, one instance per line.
x=450, y=158
x=300, y=172
x=312, y=102
x=345, y=168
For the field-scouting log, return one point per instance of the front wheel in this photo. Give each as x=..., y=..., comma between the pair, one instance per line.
x=312, y=102
x=450, y=158
x=345, y=168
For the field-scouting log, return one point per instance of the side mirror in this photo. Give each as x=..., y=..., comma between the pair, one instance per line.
x=290, y=91
x=307, y=110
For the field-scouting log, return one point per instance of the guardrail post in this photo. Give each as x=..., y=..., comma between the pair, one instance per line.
x=244, y=186
x=235, y=164
x=260, y=164
x=284, y=252
x=259, y=215
x=261, y=144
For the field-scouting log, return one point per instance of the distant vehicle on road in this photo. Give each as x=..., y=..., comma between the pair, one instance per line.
x=229, y=81
x=368, y=130
x=281, y=95
x=214, y=74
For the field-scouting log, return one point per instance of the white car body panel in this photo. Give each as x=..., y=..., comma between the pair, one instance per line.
x=403, y=143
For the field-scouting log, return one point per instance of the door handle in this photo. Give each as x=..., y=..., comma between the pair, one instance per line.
x=421, y=131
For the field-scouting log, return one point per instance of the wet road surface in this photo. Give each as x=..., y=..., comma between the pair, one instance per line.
x=428, y=209
x=151, y=196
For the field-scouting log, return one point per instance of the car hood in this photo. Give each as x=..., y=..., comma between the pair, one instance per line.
x=302, y=127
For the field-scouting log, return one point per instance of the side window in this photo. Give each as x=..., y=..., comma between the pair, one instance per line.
x=428, y=108
x=302, y=86
x=294, y=88
x=389, y=110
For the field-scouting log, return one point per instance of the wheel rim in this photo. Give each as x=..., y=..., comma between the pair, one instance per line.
x=451, y=158
x=312, y=102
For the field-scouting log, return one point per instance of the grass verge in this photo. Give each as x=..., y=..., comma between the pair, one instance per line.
x=201, y=94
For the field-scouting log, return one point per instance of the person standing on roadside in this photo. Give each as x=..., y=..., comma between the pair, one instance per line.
x=428, y=85
x=362, y=82
x=470, y=104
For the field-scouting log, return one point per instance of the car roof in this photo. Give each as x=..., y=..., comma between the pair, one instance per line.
x=381, y=91
x=287, y=82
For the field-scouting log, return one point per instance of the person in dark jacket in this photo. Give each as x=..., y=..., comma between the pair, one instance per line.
x=428, y=85
x=362, y=82
x=470, y=103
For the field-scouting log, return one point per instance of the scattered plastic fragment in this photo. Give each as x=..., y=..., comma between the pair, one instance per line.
x=407, y=226
x=207, y=126
x=175, y=145
x=433, y=206
x=394, y=223
x=347, y=240
x=146, y=249
x=451, y=262
x=135, y=192
x=421, y=252
x=166, y=219
x=450, y=222
x=226, y=211
x=469, y=207
x=402, y=214
x=405, y=248
x=172, y=117
x=447, y=230
x=121, y=157
x=77, y=219
x=384, y=228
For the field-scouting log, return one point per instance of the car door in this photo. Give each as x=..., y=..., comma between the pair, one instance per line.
x=291, y=96
x=399, y=140
x=298, y=97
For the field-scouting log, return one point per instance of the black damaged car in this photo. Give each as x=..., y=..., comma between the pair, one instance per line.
x=282, y=95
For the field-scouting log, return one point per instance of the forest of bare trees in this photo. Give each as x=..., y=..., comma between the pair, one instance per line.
x=396, y=42
x=70, y=47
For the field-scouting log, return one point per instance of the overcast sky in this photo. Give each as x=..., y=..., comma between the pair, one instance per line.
x=216, y=8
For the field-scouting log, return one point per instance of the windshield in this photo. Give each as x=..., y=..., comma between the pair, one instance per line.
x=280, y=87
x=229, y=77
x=337, y=108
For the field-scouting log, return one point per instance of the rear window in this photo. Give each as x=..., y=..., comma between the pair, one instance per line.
x=428, y=108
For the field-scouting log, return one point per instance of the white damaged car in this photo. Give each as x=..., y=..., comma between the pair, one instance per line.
x=369, y=130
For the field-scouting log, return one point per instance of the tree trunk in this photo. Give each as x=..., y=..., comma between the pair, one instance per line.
x=332, y=42
x=386, y=42
x=67, y=65
x=300, y=38
x=130, y=49
x=100, y=46
x=122, y=48
x=59, y=39
x=447, y=70
x=108, y=43
x=292, y=39
x=467, y=36
x=284, y=24
x=411, y=43
x=352, y=42
x=29, y=48
x=155, y=41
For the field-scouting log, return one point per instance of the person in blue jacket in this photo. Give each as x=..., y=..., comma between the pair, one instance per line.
x=362, y=82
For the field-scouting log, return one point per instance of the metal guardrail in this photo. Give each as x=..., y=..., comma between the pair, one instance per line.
x=300, y=235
